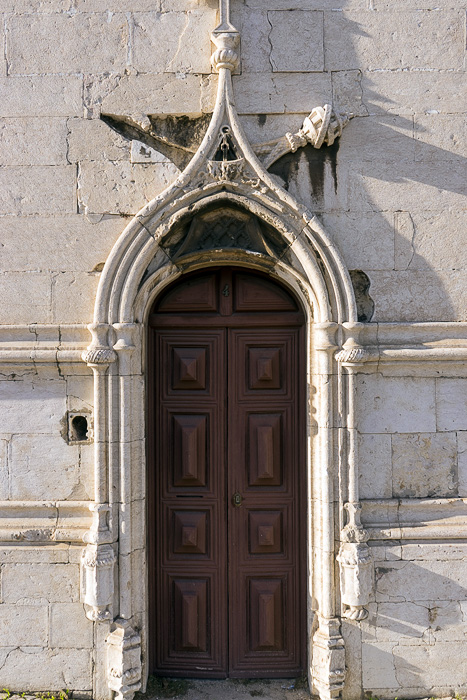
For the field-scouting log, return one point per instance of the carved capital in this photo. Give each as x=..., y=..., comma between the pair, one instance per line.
x=97, y=580
x=124, y=660
x=226, y=55
x=99, y=352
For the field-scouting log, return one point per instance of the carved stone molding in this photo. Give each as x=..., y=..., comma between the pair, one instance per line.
x=97, y=580
x=356, y=565
x=328, y=668
x=352, y=356
x=124, y=660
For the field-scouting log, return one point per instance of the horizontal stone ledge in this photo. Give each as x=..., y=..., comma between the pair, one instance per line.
x=414, y=354
x=415, y=518
x=44, y=521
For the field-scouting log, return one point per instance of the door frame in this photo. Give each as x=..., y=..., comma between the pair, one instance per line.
x=137, y=270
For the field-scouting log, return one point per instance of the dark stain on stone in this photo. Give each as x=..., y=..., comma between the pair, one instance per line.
x=365, y=304
x=317, y=158
x=187, y=132
x=330, y=155
x=177, y=138
x=261, y=119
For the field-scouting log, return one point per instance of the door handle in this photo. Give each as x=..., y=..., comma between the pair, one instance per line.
x=237, y=499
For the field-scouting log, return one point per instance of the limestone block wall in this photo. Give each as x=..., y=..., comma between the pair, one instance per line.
x=391, y=192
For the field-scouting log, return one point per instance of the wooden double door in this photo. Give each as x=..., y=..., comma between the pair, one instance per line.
x=227, y=512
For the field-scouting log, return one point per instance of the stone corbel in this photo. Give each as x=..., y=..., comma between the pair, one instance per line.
x=328, y=666
x=97, y=567
x=356, y=566
x=124, y=660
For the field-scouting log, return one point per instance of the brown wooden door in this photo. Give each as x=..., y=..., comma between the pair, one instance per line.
x=227, y=523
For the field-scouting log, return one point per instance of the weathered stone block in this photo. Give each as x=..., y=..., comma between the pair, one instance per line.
x=53, y=583
x=21, y=553
x=32, y=406
x=137, y=95
x=260, y=128
x=23, y=625
x=38, y=190
x=404, y=623
x=263, y=93
x=21, y=6
x=39, y=668
x=396, y=404
x=424, y=465
x=347, y=92
x=404, y=185
x=451, y=404
x=378, y=666
x=308, y=4
x=43, y=467
x=26, y=297
x=375, y=478
x=462, y=463
x=400, y=581
x=306, y=28
x=411, y=296
x=163, y=42
x=33, y=141
x=4, y=472
x=403, y=40
x=73, y=296
x=426, y=551
x=439, y=136
x=365, y=240
x=122, y=188
x=397, y=5
x=118, y=5
x=254, y=29
x=412, y=92
x=376, y=138
x=92, y=139
x=425, y=665
x=55, y=43
x=430, y=240
x=41, y=95
x=30, y=243
x=65, y=617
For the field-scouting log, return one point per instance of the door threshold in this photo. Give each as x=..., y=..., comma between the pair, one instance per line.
x=226, y=689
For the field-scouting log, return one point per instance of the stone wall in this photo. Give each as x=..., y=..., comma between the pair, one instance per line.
x=391, y=193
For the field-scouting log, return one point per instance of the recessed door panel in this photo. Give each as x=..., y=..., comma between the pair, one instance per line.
x=226, y=562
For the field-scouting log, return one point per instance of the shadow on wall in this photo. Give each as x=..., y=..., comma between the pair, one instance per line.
x=390, y=197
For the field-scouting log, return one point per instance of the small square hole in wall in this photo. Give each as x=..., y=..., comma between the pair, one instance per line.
x=79, y=428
